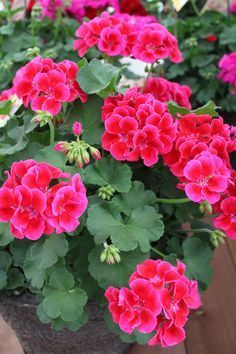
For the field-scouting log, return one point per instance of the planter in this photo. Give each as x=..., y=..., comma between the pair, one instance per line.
x=37, y=338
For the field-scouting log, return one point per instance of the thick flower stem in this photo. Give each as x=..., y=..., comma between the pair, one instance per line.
x=158, y=252
x=195, y=8
x=52, y=132
x=208, y=231
x=173, y=201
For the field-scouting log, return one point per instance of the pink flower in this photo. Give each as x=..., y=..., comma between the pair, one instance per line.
x=137, y=126
x=134, y=308
x=65, y=204
x=176, y=302
x=165, y=91
x=233, y=7
x=111, y=42
x=46, y=85
x=35, y=202
x=27, y=220
x=206, y=177
x=227, y=64
x=121, y=34
x=158, y=272
x=9, y=202
x=168, y=335
x=77, y=128
x=160, y=298
x=227, y=220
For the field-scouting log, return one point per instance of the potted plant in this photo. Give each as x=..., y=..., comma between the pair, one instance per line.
x=104, y=193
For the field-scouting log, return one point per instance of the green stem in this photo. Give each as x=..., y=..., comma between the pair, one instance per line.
x=173, y=201
x=195, y=8
x=52, y=132
x=158, y=252
x=191, y=230
x=148, y=75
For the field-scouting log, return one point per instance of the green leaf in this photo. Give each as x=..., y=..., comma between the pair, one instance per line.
x=114, y=274
x=34, y=273
x=19, y=249
x=51, y=156
x=197, y=257
x=5, y=107
x=61, y=298
x=108, y=171
x=5, y=260
x=96, y=77
x=208, y=108
x=128, y=202
x=175, y=109
x=3, y=279
x=5, y=236
x=15, y=279
x=89, y=115
x=140, y=228
x=46, y=253
x=8, y=149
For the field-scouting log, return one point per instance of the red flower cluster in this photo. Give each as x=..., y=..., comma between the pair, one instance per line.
x=46, y=85
x=165, y=91
x=200, y=158
x=134, y=7
x=159, y=299
x=122, y=35
x=33, y=207
x=137, y=126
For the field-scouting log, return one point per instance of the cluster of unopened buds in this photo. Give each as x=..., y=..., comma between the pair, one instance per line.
x=110, y=254
x=78, y=151
x=106, y=192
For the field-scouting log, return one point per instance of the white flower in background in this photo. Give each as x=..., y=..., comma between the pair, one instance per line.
x=16, y=103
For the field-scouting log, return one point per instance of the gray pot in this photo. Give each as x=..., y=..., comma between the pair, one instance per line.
x=36, y=338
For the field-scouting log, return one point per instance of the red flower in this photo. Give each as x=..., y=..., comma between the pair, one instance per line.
x=9, y=203
x=227, y=220
x=165, y=91
x=111, y=42
x=46, y=85
x=28, y=220
x=134, y=308
x=159, y=273
x=159, y=299
x=34, y=207
x=168, y=335
x=137, y=125
x=206, y=177
x=211, y=38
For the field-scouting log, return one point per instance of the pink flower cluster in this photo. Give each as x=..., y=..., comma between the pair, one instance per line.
x=76, y=8
x=158, y=299
x=45, y=85
x=233, y=7
x=122, y=35
x=137, y=126
x=35, y=203
x=165, y=91
x=200, y=158
x=227, y=74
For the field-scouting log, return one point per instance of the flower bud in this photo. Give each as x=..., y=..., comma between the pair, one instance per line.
x=42, y=118
x=77, y=128
x=106, y=192
x=217, y=238
x=61, y=146
x=85, y=155
x=31, y=53
x=110, y=254
x=206, y=208
x=95, y=153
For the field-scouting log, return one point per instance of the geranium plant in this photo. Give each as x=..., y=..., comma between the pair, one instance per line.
x=105, y=188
